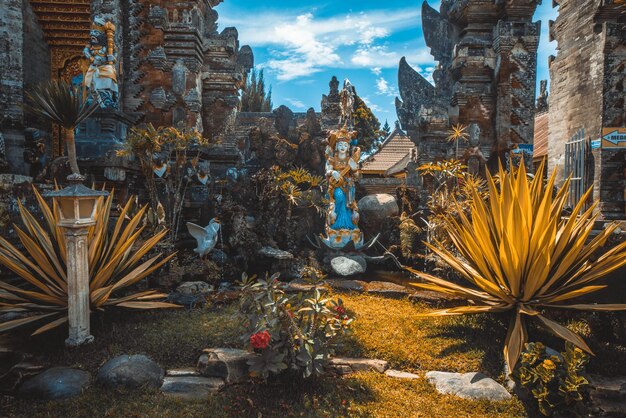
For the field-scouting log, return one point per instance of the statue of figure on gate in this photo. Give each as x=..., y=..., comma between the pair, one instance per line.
x=342, y=169
x=101, y=75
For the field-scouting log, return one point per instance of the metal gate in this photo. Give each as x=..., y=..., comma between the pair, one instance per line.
x=575, y=163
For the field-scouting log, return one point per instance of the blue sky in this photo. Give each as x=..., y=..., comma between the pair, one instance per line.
x=302, y=44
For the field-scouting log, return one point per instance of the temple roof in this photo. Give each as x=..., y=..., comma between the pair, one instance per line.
x=392, y=157
x=540, y=142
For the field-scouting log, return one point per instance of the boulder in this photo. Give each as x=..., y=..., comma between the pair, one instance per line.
x=191, y=387
x=347, y=365
x=374, y=209
x=398, y=374
x=347, y=285
x=468, y=385
x=275, y=253
x=194, y=288
x=55, y=383
x=345, y=265
x=230, y=364
x=130, y=372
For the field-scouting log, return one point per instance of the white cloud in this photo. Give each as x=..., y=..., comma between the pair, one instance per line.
x=383, y=88
x=298, y=104
x=376, y=70
x=373, y=107
x=303, y=44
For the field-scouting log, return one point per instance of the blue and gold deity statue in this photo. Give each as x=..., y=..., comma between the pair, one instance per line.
x=101, y=75
x=342, y=169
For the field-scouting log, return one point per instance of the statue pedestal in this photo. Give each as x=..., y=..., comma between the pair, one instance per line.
x=104, y=131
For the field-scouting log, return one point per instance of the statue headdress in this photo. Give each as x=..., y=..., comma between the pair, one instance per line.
x=98, y=24
x=341, y=135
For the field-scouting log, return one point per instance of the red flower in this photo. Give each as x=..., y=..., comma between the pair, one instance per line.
x=260, y=340
x=340, y=310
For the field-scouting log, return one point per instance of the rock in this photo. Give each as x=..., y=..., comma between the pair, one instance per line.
x=229, y=364
x=55, y=383
x=374, y=209
x=194, y=288
x=387, y=289
x=398, y=374
x=346, y=365
x=348, y=265
x=298, y=286
x=347, y=285
x=7, y=181
x=188, y=371
x=275, y=253
x=130, y=372
x=468, y=385
x=218, y=256
x=436, y=299
x=191, y=387
x=613, y=388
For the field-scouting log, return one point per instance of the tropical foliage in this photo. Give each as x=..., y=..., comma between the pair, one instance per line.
x=555, y=381
x=520, y=256
x=451, y=190
x=253, y=96
x=296, y=185
x=65, y=105
x=178, y=150
x=116, y=261
x=366, y=124
x=297, y=332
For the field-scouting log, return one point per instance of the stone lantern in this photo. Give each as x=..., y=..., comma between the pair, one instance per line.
x=77, y=205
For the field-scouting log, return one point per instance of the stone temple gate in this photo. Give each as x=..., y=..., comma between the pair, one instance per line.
x=487, y=54
x=174, y=67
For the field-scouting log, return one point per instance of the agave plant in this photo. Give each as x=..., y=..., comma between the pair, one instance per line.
x=65, y=105
x=520, y=255
x=115, y=263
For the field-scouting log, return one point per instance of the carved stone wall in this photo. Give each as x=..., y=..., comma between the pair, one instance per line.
x=486, y=72
x=587, y=92
x=180, y=70
x=24, y=60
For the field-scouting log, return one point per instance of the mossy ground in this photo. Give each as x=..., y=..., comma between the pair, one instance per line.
x=389, y=329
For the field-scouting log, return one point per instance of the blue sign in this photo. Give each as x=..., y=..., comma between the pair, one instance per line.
x=595, y=144
x=613, y=137
x=526, y=148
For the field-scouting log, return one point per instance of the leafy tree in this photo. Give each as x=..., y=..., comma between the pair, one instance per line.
x=386, y=129
x=366, y=124
x=253, y=97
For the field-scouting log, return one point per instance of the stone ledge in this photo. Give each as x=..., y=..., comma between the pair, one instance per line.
x=346, y=365
x=191, y=387
x=468, y=385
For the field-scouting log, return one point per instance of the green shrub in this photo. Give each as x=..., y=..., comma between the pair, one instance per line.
x=297, y=332
x=555, y=381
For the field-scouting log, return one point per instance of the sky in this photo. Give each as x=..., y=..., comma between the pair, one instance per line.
x=301, y=44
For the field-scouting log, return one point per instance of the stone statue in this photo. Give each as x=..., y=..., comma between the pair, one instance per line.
x=542, y=99
x=206, y=237
x=347, y=96
x=342, y=169
x=101, y=76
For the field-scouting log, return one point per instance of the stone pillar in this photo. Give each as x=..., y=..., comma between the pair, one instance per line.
x=78, y=286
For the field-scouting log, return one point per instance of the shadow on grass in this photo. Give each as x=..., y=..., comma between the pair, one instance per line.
x=287, y=396
x=173, y=338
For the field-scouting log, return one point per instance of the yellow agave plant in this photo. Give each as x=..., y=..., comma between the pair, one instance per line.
x=115, y=263
x=520, y=255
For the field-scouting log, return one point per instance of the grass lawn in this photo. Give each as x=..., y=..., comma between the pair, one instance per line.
x=385, y=328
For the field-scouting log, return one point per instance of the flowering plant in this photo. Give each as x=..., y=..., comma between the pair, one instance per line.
x=297, y=332
x=554, y=380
